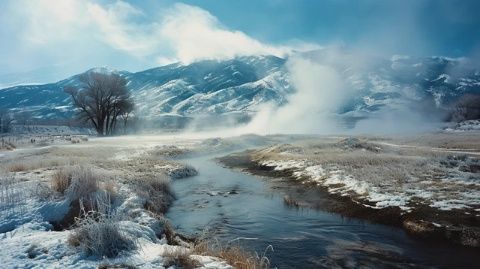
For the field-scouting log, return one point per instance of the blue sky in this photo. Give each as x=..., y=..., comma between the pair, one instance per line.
x=47, y=40
x=439, y=27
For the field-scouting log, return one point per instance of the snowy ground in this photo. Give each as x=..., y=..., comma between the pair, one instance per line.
x=29, y=207
x=381, y=175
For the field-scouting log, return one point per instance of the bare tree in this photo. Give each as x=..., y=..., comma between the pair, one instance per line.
x=101, y=99
x=128, y=109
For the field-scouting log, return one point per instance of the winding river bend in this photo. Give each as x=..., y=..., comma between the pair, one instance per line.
x=238, y=205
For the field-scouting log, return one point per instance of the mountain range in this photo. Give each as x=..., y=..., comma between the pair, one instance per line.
x=240, y=86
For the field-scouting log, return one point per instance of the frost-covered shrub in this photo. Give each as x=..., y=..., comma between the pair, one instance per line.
x=157, y=193
x=180, y=257
x=83, y=182
x=99, y=231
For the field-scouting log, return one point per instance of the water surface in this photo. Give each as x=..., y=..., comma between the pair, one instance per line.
x=237, y=205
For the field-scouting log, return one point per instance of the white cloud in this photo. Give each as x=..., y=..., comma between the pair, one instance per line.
x=56, y=30
x=194, y=33
x=114, y=27
x=44, y=21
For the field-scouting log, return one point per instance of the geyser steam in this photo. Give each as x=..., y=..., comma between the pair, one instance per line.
x=320, y=91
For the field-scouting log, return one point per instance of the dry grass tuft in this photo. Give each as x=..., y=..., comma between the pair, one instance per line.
x=98, y=232
x=234, y=255
x=180, y=257
x=84, y=181
x=61, y=180
x=157, y=192
x=111, y=188
x=169, y=232
x=17, y=167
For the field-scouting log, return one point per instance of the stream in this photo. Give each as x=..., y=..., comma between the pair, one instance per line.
x=250, y=211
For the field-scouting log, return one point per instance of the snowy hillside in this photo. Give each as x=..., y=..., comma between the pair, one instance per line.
x=203, y=87
x=241, y=85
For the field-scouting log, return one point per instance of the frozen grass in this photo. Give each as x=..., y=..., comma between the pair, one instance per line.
x=17, y=167
x=234, y=255
x=61, y=180
x=37, y=162
x=156, y=191
x=381, y=173
x=465, y=141
x=169, y=151
x=99, y=232
x=180, y=257
x=169, y=232
x=83, y=181
x=12, y=194
x=80, y=180
x=110, y=187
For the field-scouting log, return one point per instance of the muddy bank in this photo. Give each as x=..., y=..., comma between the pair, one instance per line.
x=424, y=222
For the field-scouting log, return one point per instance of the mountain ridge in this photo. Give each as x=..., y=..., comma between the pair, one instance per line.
x=243, y=84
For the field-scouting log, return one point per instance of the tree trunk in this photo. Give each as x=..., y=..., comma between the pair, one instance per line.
x=100, y=127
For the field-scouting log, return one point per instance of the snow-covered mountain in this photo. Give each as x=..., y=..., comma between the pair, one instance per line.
x=201, y=88
x=242, y=85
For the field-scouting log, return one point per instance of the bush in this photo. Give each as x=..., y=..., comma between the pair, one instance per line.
x=98, y=232
x=61, y=180
x=157, y=193
x=84, y=181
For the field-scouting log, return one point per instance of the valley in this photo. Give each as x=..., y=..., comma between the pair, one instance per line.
x=281, y=207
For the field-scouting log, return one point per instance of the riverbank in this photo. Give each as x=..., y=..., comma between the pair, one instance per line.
x=96, y=203
x=429, y=190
